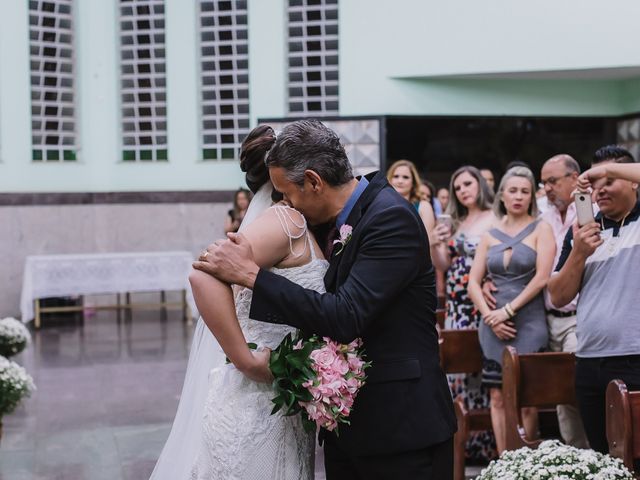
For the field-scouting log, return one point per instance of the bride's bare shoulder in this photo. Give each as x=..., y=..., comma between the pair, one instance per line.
x=273, y=234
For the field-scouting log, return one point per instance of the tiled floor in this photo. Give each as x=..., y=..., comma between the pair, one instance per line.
x=107, y=393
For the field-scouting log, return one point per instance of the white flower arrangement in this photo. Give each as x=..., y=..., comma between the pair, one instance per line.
x=553, y=460
x=15, y=384
x=14, y=336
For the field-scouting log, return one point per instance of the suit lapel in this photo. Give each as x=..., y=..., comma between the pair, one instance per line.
x=377, y=181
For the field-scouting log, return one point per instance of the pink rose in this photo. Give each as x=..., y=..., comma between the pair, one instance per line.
x=340, y=365
x=345, y=232
x=323, y=357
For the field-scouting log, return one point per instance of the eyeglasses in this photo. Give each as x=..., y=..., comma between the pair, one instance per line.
x=553, y=180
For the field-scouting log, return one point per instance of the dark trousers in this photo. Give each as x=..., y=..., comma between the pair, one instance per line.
x=592, y=377
x=431, y=463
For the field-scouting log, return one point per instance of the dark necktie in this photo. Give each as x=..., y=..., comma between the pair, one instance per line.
x=331, y=236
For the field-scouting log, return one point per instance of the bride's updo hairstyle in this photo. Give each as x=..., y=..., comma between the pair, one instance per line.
x=253, y=152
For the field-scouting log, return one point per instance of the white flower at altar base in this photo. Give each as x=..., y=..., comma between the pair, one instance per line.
x=553, y=460
x=15, y=385
x=14, y=336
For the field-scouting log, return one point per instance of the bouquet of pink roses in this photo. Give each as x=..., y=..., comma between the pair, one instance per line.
x=319, y=378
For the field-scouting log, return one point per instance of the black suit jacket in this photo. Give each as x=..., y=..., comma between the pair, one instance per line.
x=381, y=287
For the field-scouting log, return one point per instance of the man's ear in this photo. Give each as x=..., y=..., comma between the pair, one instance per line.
x=314, y=181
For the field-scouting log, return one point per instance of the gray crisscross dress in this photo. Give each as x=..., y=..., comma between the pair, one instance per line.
x=510, y=280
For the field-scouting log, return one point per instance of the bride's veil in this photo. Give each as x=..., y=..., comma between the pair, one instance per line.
x=179, y=453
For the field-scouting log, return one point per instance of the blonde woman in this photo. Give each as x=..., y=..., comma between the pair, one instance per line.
x=518, y=253
x=453, y=247
x=403, y=176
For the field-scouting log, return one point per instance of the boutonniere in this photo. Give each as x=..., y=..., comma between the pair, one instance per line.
x=345, y=236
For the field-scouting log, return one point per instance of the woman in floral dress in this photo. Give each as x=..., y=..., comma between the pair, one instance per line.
x=453, y=247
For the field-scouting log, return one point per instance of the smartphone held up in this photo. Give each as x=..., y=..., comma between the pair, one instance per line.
x=584, y=208
x=445, y=219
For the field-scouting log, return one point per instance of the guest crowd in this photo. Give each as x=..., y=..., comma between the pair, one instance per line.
x=526, y=266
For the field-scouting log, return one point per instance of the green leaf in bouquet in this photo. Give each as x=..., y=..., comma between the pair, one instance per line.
x=297, y=382
x=308, y=372
x=295, y=361
x=278, y=403
x=308, y=425
x=305, y=396
x=291, y=400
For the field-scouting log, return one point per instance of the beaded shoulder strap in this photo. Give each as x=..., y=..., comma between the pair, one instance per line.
x=288, y=219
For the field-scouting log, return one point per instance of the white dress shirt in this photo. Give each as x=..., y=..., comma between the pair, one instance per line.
x=552, y=216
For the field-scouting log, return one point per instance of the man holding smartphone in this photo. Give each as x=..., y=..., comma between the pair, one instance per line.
x=599, y=260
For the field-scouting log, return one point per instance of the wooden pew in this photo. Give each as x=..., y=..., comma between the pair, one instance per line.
x=460, y=353
x=542, y=380
x=440, y=316
x=623, y=423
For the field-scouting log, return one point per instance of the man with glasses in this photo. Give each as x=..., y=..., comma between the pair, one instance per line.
x=559, y=177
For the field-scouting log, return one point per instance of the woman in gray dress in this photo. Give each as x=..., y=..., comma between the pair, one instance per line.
x=518, y=253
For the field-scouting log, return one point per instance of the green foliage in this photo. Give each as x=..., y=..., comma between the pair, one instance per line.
x=291, y=368
x=10, y=347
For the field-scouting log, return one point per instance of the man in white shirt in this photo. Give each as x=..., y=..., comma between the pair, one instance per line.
x=559, y=176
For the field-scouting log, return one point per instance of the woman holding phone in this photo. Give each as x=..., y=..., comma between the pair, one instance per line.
x=518, y=254
x=453, y=245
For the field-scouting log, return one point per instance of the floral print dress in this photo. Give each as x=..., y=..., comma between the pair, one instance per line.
x=462, y=314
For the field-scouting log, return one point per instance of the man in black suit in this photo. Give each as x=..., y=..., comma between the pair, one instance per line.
x=380, y=287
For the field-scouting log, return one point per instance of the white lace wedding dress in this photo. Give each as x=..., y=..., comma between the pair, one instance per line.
x=241, y=440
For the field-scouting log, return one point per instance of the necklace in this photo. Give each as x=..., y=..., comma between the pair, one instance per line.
x=613, y=241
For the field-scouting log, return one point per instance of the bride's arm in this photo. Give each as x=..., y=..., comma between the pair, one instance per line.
x=214, y=298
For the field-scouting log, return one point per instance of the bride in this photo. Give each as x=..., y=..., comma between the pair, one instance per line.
x=223, y=428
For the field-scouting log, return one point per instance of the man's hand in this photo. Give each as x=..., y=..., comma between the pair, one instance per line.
x=230, y=261
x=593, y=178
x=586, y=239
x=259, y=370
x=488, y=289
x=504, y=330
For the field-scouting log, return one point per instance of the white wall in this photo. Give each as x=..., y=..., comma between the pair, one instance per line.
x=99, y=166
x=410, y=57
x=407, y=57
x=44, y=230
x=267, y=59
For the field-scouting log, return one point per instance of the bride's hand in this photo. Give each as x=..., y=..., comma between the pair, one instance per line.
x=258, y=370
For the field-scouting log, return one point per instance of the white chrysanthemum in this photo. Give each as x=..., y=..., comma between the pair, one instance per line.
x=15, y=384
x=553, y=460
x=14, y=336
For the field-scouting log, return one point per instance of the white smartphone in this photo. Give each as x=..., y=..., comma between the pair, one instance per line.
x=445, y=220
x=584, y=208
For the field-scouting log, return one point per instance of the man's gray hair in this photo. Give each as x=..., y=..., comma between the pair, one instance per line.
x=310, y=145
x=568, y=161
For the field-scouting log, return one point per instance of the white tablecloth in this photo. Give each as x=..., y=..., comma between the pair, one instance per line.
x=99, y=273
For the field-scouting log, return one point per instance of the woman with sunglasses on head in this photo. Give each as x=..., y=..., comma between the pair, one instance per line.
x=468, y=216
